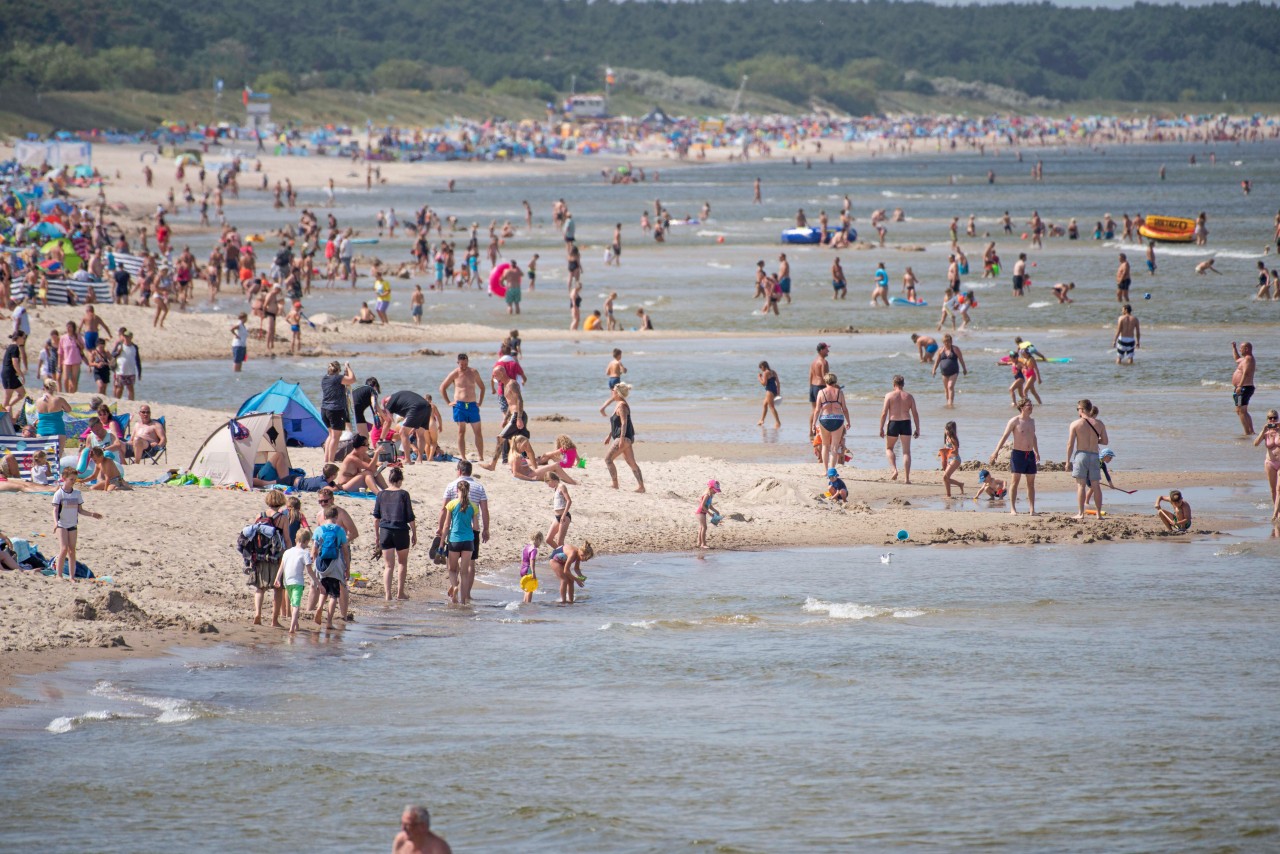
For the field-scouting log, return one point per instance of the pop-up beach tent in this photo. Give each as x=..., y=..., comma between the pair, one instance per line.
x=303, y=425
x=228, y=456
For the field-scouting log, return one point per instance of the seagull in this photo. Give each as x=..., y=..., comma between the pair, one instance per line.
x=886, y=557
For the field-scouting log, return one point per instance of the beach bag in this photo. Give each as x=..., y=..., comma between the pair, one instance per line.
x=260, y=543
x=386, y=452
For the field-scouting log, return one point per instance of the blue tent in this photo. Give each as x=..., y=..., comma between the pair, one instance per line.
x=302, y=422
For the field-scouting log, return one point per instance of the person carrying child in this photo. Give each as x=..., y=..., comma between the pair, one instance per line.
x=295, y=565
x=706, y=511
x=1179, y=519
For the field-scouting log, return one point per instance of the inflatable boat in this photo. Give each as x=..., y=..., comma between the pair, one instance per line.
x=1168, y=229
x=813, y=235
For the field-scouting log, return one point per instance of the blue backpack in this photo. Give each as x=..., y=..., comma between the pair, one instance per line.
x=329, y=547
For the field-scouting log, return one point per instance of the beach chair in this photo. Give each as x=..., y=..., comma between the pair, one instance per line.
x=154, y=454
x=24, y=448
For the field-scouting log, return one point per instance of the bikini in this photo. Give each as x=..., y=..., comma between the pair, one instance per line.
x=830, y=421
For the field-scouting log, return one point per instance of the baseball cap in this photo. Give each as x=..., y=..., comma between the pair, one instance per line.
x=983, y=475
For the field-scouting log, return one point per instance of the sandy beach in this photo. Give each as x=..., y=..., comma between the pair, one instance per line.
x=176, y=577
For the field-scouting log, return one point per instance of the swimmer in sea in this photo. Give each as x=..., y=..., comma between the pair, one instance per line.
x=881, y=289
x=1061, y=289
x=925, y=345
x=1128, y=337
x=1207, y=267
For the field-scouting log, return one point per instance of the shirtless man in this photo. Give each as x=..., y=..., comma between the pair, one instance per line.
x=1083, y=439
x=415, y=836
x=511, y=402
x=899, y=411
x=839, y=285
x=1123, y=279
x=926, y=345
x=817, y=370
x=1128, y=337
x=784, y=276
x=1207, y=267
x=466, y=382
x=1242, y=383
x=1024, y=457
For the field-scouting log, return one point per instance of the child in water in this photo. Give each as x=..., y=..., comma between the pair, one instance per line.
x=528, y=565
x=566, y=563
x=704, y=511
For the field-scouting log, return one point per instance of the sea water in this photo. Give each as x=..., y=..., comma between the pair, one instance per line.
x=1118, y=697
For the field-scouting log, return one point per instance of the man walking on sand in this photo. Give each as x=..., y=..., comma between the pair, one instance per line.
x=1242, y=383
x=1128, y=337
x=467, y=383
x=896, y=418
x=817, y=370
x=1024, y=457
x=1083, y=439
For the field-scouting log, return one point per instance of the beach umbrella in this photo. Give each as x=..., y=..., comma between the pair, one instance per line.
x=49, y=229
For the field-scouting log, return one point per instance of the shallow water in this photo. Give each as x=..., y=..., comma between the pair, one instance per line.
x=1057, y=699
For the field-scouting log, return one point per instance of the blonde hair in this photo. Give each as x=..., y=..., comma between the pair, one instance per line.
x=537, y=539
x=586, y=552
x=51, y=386
x=40, y=457
x=275, y=499
x=304, y=537
x=829, y=378
x=623, y=389
x=564, y=443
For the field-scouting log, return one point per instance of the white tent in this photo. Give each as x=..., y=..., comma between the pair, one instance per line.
x=56, y=153
x=230, y=453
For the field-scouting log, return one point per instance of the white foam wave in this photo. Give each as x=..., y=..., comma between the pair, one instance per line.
x=718, y=266
x=172, y=710
x=855, y=611
x=890, y=194
x=1039, y=305
x=708, y=233
x=58, y=726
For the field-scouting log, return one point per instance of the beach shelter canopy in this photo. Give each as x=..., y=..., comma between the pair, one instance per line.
x=70, y=260
x=228, y=456
x=303, y=425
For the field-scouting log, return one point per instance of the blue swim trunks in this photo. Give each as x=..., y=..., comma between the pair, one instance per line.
x=931, y=348
x=837, y=285
x=784, y=284
x=466, y=412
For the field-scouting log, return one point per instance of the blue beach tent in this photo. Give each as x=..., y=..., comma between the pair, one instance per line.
x=302, y=422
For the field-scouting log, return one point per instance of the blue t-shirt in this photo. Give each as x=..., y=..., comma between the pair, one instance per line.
x=882, y=279
x=311, y=484
x=322, y=537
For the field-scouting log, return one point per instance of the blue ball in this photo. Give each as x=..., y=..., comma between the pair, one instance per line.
x=1146, y=296
x=902, y=535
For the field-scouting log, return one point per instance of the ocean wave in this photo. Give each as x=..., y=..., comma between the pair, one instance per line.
x=172, y=710
x=855, y=611
x=717, y=265
x=58, y=726
x=1039, y=305
x=890, y=194
x=705, y=233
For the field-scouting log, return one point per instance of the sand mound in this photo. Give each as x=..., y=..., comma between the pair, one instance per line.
x=770, y=490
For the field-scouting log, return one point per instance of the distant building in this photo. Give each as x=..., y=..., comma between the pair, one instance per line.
x=587, y=107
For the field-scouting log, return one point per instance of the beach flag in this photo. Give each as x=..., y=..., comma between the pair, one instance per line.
x=244, y=96
x=608, y=76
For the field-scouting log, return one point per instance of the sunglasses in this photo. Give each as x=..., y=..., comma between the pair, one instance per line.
x=324, y=503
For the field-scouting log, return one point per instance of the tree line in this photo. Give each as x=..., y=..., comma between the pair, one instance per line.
x=839, y=51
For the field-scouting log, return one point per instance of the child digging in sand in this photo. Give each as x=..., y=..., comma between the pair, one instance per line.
x=1180, y=519
x=988, y=485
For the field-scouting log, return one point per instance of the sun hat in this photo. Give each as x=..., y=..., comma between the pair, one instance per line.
x=832, y=473
x=713, y=485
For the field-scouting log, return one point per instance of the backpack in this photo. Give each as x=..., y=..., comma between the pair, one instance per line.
x=329, y=548
x=261, y=542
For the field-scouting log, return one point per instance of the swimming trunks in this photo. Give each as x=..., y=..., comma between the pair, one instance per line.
x=1125, y=346
x=1022, y=462
x=784, y=284
x=898, y=428
x=1242, y=396
x=1182, y=526
x=238, y=354
x=930, y=349
x=1085, y=465
x=1017, y=284
x=1124, y=283
x=416, y=311
x=613, y=381
x=813, y=392
x=837, y=285
x=466, y=412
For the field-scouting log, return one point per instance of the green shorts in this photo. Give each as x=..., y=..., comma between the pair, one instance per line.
x=295, y=595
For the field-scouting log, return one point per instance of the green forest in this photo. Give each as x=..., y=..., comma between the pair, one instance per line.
x=841, y=52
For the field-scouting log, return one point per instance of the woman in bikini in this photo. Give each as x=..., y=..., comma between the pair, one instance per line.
x=1270, y=435
x=950, y=454
x=830, y=420
x=522, y=469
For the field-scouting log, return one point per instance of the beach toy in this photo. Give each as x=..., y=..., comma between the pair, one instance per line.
x=582, y=462
x=902, y=535
x=715, y=518
x=204, y=481
x=529, y=583
x=1024, y=235
x=720, y=239
x=495, y=280
x=1091, y=512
